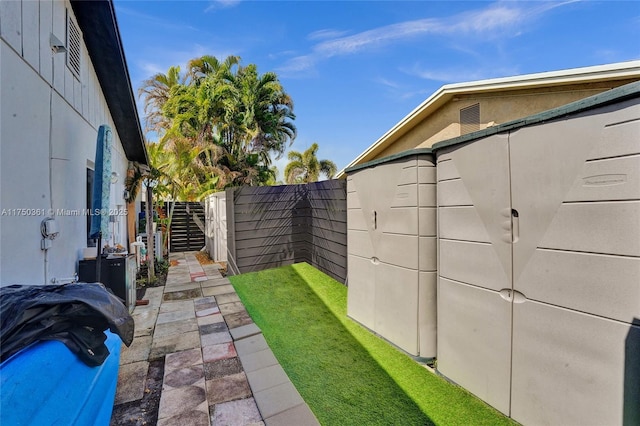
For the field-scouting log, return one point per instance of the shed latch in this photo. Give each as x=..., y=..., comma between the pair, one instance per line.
x=515, y=226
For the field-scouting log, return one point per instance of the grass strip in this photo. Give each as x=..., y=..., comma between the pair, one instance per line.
x=346, y=374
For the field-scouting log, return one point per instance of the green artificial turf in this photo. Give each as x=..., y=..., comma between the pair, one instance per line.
x=347, y=375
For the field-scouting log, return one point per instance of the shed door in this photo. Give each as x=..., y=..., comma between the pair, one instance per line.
x=383, y=246
x=576, y=262
x=539, y=266
x=474, y=228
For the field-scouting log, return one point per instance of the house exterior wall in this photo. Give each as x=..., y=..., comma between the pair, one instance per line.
x=495, y=108
x=49, y=120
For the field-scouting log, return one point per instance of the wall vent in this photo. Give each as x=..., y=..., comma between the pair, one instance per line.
x=469, y=119
x=74, y=45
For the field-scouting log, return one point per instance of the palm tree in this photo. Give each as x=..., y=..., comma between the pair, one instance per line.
x=157, y=91
x=258, y=113
x=305, y=167
x=236, y=118
x=200, y=68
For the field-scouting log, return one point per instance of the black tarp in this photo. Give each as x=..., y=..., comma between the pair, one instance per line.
x=75, y=314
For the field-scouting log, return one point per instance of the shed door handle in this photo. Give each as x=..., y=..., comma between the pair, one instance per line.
x=515, y=222
x=374, y=219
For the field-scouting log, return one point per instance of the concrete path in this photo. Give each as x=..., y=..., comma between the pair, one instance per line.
x=218, y=368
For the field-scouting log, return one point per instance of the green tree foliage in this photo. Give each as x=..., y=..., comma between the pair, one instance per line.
x=220, y=119
x=305, y=167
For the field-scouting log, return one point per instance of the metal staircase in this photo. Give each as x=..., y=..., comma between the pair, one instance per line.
x=187, y=227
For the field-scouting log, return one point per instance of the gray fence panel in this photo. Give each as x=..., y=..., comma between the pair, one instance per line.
x=281, y=225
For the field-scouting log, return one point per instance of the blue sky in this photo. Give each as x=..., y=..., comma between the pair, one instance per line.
x=356, y=68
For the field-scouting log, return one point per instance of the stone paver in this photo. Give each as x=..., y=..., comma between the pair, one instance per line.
x=236, y=413
x=228, y=388
x=231, y=308
x=238, y=319
x=299, y=415
x=245, y=331
x=145, y=321
x=174, y=343
x=182, y=377
x=177, y=401
x=131, y=380
x=266, y=378
x=227, y=298
x=165, y=317
x=216, y=290
x=210, y=311
x=219, y=351
x=154, y=296
x=257, y=360
x=205, y=303
x=251, y=344
x=182, y=359
x=277, y=399
x=190, y=418
x=175, y=327
x=181, y=287
x=177, y=280
x=210, y=319
x=215, y=282
x=138, y=351
x=215, y=338
x=216, y=327
x=221, y=368
x=183, y=294
x=176, y=306
x=214, y=355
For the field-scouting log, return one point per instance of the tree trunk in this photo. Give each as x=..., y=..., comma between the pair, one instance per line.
x=151, y=255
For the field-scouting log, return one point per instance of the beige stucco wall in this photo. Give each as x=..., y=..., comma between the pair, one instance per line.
x=498, y=108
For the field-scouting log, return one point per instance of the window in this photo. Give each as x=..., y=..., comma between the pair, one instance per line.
x=469, y=119
x=74, y=44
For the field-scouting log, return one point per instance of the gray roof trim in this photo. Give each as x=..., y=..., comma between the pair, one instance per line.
x=628, y=91
x=403, y=154
x=97, y=20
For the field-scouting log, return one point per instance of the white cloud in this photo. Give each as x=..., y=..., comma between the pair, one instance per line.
x=501, y=19
x=375, y=37
x=281, y=54
x=298, y=64
x=221, y=4
x=325, y=34
x=385, y=82
x=157, y=22
x=495, y=18
x=459, y=75
x=150, y=68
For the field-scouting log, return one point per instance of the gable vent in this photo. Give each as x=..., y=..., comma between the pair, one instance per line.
x=469, y=119
x=74, y=44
